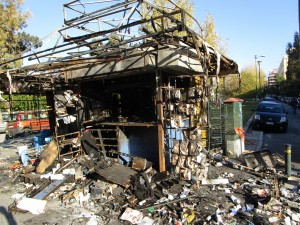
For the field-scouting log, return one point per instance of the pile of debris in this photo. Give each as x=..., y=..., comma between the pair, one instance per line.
x=248, y=190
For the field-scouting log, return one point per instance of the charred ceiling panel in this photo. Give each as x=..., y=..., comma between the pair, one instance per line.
x=110, y=68
x=179, y=61
x=172, y=59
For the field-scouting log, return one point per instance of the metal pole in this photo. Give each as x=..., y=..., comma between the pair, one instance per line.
x=255, y=57
x=259, y=81
x=259, y=77
x=288, y=159
x=256, y=77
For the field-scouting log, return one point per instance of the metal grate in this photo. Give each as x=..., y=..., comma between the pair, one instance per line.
x=215, y=119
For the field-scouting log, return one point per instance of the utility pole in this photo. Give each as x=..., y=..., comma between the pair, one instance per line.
x=255, y=57
x=258, y=62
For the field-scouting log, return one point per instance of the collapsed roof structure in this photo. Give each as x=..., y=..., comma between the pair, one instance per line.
x=134, y=76
x=137, y=30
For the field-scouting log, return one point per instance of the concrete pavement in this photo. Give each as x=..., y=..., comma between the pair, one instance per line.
x=253, y=138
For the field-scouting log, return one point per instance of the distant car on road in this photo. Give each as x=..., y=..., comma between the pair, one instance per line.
x=3, y=122
x=269, y=99
x=270, y=115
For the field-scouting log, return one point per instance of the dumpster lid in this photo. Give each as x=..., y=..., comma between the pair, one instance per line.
x=230, y=100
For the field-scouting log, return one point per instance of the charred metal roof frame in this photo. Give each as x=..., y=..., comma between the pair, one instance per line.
x=136, y=31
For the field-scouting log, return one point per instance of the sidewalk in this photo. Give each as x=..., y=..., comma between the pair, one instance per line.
x=254, y=139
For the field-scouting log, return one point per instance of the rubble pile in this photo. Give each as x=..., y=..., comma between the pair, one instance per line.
x=248, y=190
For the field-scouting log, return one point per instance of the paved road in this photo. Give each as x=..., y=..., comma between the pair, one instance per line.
x=275, y=141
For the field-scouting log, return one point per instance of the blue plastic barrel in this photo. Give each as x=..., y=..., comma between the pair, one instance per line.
x=45, y=135
x=36, y=144
x=38, y=141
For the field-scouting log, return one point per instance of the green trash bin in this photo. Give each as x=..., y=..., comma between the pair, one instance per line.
x=233, y=118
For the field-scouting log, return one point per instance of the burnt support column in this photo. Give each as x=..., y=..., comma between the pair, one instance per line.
x=160, y=120
x=51, y=111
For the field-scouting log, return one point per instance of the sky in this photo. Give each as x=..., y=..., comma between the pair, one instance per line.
x=249, y=27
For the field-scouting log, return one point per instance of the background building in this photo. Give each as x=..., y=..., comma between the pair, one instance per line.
x=283, y=67
x=272, y=77
x=279, y=72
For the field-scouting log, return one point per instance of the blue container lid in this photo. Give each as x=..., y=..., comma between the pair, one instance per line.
x=47, y=139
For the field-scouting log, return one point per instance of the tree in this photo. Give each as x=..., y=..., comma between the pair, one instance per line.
x=156, y=25
x=243, y=86
x=292, y=84
x=24, y=103
x=210, y=35
x=207, y=32
x=230, y=87
x=292, y=50
x=14, y=41
x=187, y=6
x=279, y=79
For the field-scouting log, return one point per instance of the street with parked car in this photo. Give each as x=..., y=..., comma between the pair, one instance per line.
x=276, y=140
x=270, y=115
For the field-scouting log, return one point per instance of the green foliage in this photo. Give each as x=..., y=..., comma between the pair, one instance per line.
x=289, y=88
x=292, y=50
x=230, y=86
x=13, y=41
x=243, y=86
x=248, y=76
x=278, y=88
x=279, y=79
x=24, y=103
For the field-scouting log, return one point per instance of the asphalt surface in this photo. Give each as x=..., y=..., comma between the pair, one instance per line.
x=276, y=141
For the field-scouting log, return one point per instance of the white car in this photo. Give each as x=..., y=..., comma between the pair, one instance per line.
x=3, y=122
